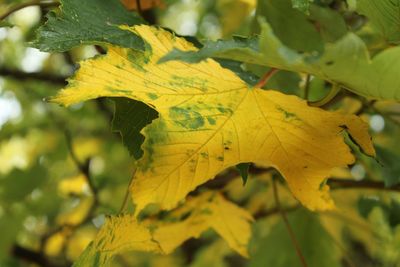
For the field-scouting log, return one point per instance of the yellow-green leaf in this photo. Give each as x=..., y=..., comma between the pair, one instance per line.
x=119, y=234
x=124, y=233
x=209, y=120
x=208, y=210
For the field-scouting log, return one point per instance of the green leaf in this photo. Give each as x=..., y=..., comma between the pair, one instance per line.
x=90, y=257
x=302, y=5
x=130, y=117
x=384, y=16
x=291, y=26
x=212, y=255
x=390, y=168
x=237, y=67
x=244, y=171
x=16, y=185
x=277, y=249
x=387, y=252
x=390, y=210
x=301, y=32
x=286, y=82
x=88, y=22
x=330, y=23
x=365, y=205
x=238, y=48
x=346, y=62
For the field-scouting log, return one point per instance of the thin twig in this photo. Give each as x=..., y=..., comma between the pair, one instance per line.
x=22, y=76
x=336, y=183
x=139, y=7
x=346, y=257
x=286, y=221
x=34, y=257
x=224, y=178
x=85, y=170
x=307, y=87
x=27, y=4
x=83, y=167
x=275, y=210
x=127, y=193
x=263, y=81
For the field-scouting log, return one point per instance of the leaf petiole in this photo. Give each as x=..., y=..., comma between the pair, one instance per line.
x=263, y=81
x=326, y=99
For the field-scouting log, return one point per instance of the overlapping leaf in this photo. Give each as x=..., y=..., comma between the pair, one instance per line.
x=209, y=120
x=129, y=118
x=88, y=22
x=118, y=235
x=384, y=16
x=208, y=210
x=345, y=62
x=291, y=26
x=313, y=240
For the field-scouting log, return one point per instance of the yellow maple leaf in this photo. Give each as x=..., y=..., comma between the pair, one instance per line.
x=78, y=241
x=119, y=234
x=124, y=233
x=209, y=210
x=209, y=120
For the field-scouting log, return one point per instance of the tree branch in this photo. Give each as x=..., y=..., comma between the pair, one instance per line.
x=34, y=257
x=222, y=179
x=20, y=75
x=83, y=167
x=275, y=210
x=139, y=7
x=127, y=193
x=286, y=221
x=336, y=183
